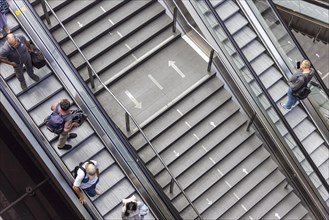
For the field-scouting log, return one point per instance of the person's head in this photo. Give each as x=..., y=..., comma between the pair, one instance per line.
x=65, y=104
x=306, y=64
x=130, y=207
x=91, y=170
x=12, y=40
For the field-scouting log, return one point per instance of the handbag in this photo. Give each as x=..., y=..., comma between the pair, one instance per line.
x=37, y=57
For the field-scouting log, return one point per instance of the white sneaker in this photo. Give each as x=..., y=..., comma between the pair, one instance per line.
x=285, y=107
x=295, y=105
x=98, y=192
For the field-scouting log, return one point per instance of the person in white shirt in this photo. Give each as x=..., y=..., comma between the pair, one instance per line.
x=87, y=180
x=132, y=209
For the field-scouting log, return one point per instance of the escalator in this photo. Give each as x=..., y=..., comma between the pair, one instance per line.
x=96, y=139
x=196, y=132
x=271, y=76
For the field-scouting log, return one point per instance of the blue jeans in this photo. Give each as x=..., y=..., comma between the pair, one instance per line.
x=291, y=99
x=91, y=190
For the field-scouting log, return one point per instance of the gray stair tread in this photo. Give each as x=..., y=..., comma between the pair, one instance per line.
x=274, y=199
x=235, y=23
x=68, y=11
x=43, y=90
x=229, y=199
x=113, y=197
x=278, y=90
x=84, y=131
x=320, y=155
x=110, y=177
x=190, y=124
x=82, y=153
x=104, y=158
x=270, y=77
x=152, y=97
x=253, y=50
x=224, y=197
x=90, y=15
x=324, y=193
x=324, y=169
x=247, y=156
x=304, y=129
x=185, y=160
x=125, y=29
x=245, y=36
x=268, y=188
x=297, y=213
x=286, y=206
x=226, y=9
x=183, y=107
x=43, y=110
x=260, y=65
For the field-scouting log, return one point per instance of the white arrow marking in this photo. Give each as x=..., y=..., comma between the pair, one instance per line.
x=289, y=42
x=80, y=25
x=132, y=98
x=172, y=64
x=277, y=215
x=196, y=136
x=176, y=153
x=220, y=172
x=244, y=170
x=155, y=82
x=244, y=207
x=212, y=160
x=102, y=9
x=188, y=125
x=317, y=55
x=250, y=218
x=204, y=148
x=111, y=21
x=209, y=202
x=179, y=112
x=213, y=124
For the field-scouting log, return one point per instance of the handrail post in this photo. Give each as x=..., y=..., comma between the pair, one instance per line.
x=91, y=77
x=174, y=20
x=44, y=8
x=171, y=189
x=211, y=57
x=251, y=120
x=127, y=121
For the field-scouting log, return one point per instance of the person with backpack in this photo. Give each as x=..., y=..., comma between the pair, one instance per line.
x=132, y=209
x=60, y=122
x=298, y=85
x=86, y=177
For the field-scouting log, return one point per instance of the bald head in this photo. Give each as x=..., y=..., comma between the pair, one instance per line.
x=306, y=64
x=11, y=38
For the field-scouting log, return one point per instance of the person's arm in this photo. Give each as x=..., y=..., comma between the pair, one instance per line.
x=6, y=61
x=28, y=45
x=78, y=191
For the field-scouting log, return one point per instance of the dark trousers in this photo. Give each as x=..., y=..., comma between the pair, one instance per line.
x=19, y=70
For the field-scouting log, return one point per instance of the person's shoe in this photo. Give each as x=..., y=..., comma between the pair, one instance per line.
x=72, y=135
x=98, y=192
x=35, y=77
x=65, y=147
x=295, y=105
x=285, y=107
x=6, y=29
x=23, y=86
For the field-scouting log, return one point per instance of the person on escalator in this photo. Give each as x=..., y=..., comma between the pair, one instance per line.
x=63, y=109
x=16, y=52
x=4, y=8
x=133, y=209
x=298, y=85
x=86, y=177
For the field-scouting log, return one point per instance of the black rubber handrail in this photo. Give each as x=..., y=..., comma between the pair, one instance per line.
x=268, y=96
x=320, y=3
x=291, y=35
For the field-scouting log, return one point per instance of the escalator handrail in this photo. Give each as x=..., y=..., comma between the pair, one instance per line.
x=317, y=76
x=268, y=96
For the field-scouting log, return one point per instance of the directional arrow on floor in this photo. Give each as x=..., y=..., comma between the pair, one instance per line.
x=132, y=98
x=244, y=170
x=277, y=215
x=173, y=65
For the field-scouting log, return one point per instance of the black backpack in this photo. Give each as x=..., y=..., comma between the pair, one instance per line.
x=55, y=122
x=303, y=91
x=75, y=171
